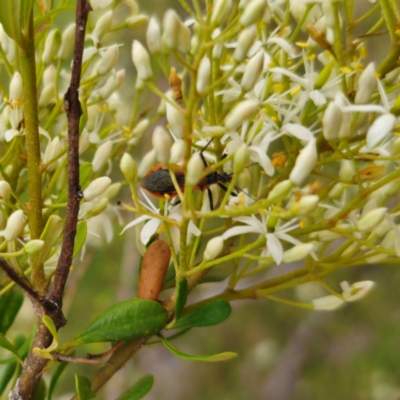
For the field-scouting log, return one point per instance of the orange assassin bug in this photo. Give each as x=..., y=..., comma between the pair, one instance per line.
x=158, y=182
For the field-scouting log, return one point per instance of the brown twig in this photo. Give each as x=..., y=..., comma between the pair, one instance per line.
x=52, y=304
x=76, y=360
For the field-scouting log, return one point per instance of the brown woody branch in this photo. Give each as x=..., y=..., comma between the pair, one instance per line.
x=51, y=305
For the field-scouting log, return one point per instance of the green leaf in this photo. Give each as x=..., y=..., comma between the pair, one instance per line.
x=10, y=18
x=209, y=314
x=83, y=390
x=85, y=172
x=40, y=392
x=6, y=373
x=132, y=319
x=181, y=297
x=80, y=238
x=8, y=346
x=213, y=358
x=27, y=9
x=9, y=307
x=139, y=389
x=50, y=235
x=59, y=369
x=45, y=353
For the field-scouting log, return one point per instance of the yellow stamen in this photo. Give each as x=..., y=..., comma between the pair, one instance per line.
x=303, y=45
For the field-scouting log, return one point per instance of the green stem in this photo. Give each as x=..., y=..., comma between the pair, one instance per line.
x=32, y=147
x=7, y=64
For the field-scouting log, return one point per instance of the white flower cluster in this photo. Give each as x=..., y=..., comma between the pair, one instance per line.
x=276, y=138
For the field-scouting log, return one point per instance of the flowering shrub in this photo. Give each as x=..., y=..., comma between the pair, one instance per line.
x=276, y=143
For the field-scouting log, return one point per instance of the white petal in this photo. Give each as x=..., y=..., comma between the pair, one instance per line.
x=149, y=230
x=317, y=97
x=193, y=229
x=379, y=129
x=263, y=160
x=11, y=134
x=135, y=222
x=327, y=303
x=275, y=247
x=237, y=230
x=298, y=131
x=283, y=44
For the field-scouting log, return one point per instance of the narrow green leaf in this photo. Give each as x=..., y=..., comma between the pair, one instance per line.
x=40, y=392
x=80, y=238
x=174, y=336
x=139, y=389
x=55, y=377
x=181, y=297
x=8, y=346
x=27, y=9
x=213, y=358
x=50, y=235
x=24, y=349
x=85, y=172
x=6, y=373
x=209, y=314
x=10, y=18
x=132, y=319
x=9, y=307
x=83, y=390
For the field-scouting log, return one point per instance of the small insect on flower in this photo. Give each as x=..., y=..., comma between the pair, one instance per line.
x=158, y=181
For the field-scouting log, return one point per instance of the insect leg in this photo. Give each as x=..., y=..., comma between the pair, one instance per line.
x=201, y=152
x=210, y=199
x=224, y=188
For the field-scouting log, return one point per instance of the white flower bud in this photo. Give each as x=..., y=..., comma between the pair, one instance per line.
x=96, y=188
x=102, y=26
x=52, y=150
x=366, y=85
x=203, y=75
x=51, y=46
x=67, y=42
x=218, y=47
x=153, y=36
x=280, y=190
x=371, y=219
x=253, y=12
x=327, y=303
x=141, y=60
x=213, y=248
x=172, y=26
x=329, y=14
x=136, y=21
x=331, y=121
x=297, y=253
x=108, y=60
x=305, y=205
x=305, y=163
x=147, y=162
x=84, y=141
x=357, y=290
x=244, y=42
x=162, y=143
x=176, y=120
x=33, y=246
x=102, y=156
x=140, y=129
x=100, y=3
x=112, y=191
x=112, y=84
x=49, y=76
x=253, y=71
x=221, y=11
x=5, y=190
x=47, y=96
x=16, y=87
x=195, y=168
x=346, y=171
x=184, y=39
x=14, y=226
x=345, y=126
x=241, y=159
x=240, y=113
x=178, y=150
x=128, y=167
x=379, y=129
